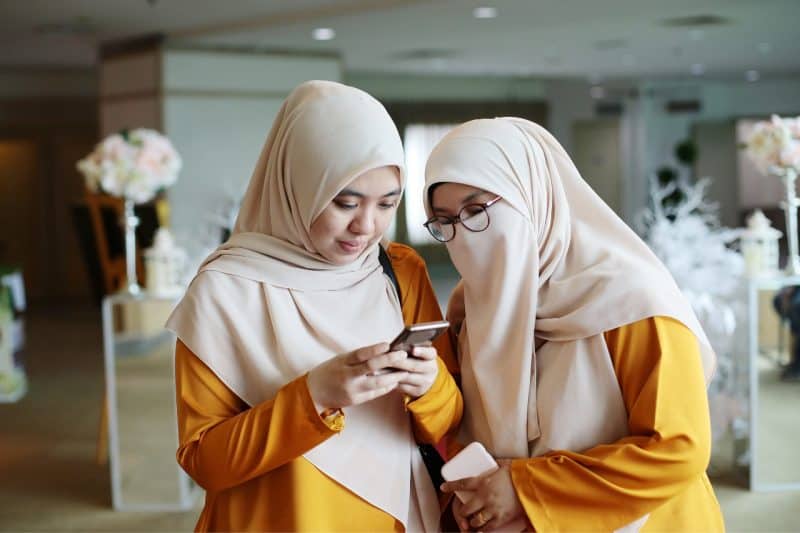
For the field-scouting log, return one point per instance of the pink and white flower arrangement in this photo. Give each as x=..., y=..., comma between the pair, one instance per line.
x=774, y=145
x=134, y=165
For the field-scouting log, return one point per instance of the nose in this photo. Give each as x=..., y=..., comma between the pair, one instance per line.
x=363, y=222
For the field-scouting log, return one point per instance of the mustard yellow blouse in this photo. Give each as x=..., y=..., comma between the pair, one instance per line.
x=659, y=469
x=249, y=459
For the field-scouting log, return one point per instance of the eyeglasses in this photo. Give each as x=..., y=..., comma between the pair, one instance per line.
x=474, y=217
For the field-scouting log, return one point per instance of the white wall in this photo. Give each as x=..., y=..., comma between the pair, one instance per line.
x=218, y=109
x=398, y=88
x=568, y=101
x=660, y=131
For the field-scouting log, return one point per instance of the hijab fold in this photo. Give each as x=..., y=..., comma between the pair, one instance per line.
x=266, y=307
x=554, y=270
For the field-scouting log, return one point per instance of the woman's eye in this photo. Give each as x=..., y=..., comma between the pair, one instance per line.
x=387, y=205
x=345, y=205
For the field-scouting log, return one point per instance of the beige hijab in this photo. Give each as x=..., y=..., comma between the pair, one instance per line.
x=265, y=308
x=555, y=269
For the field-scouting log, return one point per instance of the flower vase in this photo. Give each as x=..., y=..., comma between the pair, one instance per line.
x=789, y=176
x=129, y=223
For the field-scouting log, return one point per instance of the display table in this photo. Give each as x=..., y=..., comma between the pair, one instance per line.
x=774, y=404
x=140, y=396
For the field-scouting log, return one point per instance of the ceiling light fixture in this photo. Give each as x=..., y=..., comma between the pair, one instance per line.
x=752, y=75
x=323, y=34
x=698, y=69
x=484, y=12
x=764, y=48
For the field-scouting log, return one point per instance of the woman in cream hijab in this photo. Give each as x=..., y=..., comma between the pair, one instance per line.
x=282, y=417
x=583, y=369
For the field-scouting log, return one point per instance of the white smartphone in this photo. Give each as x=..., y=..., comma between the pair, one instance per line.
x=473, y=461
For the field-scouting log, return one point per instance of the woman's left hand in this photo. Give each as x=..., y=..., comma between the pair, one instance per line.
x=422, y=367
x=493, y=501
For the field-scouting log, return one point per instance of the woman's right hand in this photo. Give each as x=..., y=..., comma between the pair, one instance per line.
x=349, y=379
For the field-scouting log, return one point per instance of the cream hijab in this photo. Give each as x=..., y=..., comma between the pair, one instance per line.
x=266, y=308
x=555, y=269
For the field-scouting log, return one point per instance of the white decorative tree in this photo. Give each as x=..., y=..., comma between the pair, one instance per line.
x=702, y=257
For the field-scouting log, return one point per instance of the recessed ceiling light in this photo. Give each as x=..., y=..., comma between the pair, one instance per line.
x=764, y=48
x=698, y=69
x=752, y=75
x=484, y=12
x=323, y=34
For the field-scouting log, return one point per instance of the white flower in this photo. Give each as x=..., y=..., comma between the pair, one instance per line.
x=135, y=166
x=775, y=143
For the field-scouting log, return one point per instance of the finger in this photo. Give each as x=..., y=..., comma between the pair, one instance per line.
x=504, y=462
x=366, y=353
x=388, y=360
x=461, y=519
x=370, y=395
x=415, y=380
x=368, y=383
x=492, y=525
x=424, y=352
x=473, y=505
x=479, y=519
x=467, y=483
x=417, y=366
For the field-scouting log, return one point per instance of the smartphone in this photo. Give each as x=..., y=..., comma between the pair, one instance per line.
x=473, y=461
x=412, y=335
x=418, y=334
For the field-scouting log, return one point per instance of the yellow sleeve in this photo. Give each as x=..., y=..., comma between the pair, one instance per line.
x=438, y=411
x=224, y=442
x=658, y=366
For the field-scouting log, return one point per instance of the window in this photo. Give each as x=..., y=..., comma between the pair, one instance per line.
x=419, y=142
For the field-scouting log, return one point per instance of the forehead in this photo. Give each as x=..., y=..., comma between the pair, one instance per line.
x=377, y=181
x=454, y=193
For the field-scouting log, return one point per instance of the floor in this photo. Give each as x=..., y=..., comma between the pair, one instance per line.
x=49, y=480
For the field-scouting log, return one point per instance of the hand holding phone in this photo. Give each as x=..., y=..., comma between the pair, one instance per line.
x=414, y=335
x=471, y=462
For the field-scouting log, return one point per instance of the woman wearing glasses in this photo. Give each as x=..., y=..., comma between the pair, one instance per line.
x=282, y=418
x=583, y=368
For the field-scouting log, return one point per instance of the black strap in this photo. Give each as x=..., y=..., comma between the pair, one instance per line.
x=433, y=461
x=386, y=263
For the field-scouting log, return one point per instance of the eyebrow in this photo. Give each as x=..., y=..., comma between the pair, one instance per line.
x=464, y=201
x=351, y=192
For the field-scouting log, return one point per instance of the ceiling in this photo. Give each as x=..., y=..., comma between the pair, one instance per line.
x=595, y=39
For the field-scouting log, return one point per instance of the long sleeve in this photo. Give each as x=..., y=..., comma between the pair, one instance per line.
x=608, y=486
x=438, y=411
x=224, y=442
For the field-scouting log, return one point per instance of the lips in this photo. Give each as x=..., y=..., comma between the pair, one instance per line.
x=350, y=247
